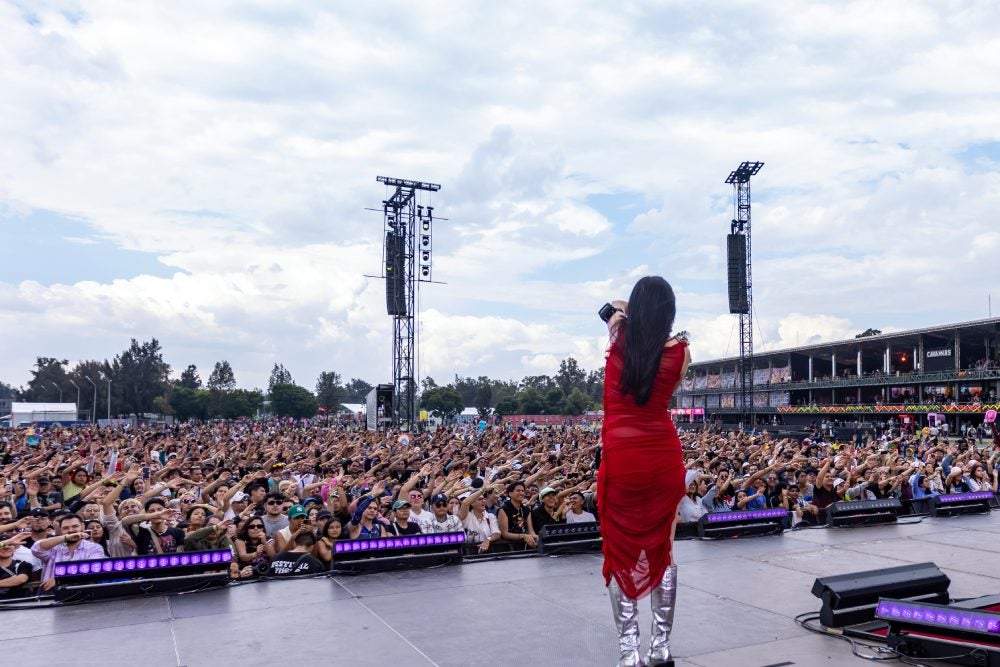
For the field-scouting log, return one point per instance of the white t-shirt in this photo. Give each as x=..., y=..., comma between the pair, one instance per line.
x=451, y=524
x=481, y=530
x=691, y=511
x=582, y=517
x=423, y=519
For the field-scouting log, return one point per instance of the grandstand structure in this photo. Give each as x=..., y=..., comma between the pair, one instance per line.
x=947, y=373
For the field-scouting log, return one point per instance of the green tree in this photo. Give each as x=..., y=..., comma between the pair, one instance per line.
x=222, y=378
x=541, y=383
x=554, y=401
x=530, y=402
x=595, y=386
x=443, y=402
x=244, y=403
x=570, y=375
x=87, y=374
x=427, y=383
x=329, y=393
x=47, y=378
x=484, y=397
x=279, y=375
x=291, y=400
x=7, y=391
x=190, y=378
x=190, y=403
x=357, y=391
x=506, y=406
x=576, y=403
x=221, y=382
x=138, y=376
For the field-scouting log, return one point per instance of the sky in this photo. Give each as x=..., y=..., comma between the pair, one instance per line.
x=199, y=172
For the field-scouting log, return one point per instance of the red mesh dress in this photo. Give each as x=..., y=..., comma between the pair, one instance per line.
x=641, y=479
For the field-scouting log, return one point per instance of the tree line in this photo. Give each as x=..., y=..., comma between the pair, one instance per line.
x=141, y=384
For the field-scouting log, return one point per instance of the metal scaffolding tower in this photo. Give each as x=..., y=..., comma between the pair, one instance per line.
x=406, y=255
x=740, y=180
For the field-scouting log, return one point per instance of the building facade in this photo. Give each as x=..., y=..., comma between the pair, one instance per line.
x=951, y=370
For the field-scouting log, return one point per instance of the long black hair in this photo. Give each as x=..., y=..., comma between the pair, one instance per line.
x=651, y=311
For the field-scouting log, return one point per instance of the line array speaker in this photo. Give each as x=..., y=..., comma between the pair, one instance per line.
x=736, y=245
x=395, y=274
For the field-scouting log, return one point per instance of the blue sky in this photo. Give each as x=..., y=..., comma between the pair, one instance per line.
x=200, y=173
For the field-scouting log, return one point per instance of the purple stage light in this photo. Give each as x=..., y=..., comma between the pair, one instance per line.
x=119, y=566
x=72, y=569
x=727, y=517
x=60, y=570
x=106, y=566
x=960, y=497
x=130, y=564
x=185, y=559
x=938, y=616
x=421, y=541
x=175, y=561
x=85, y=568
x=100, y=566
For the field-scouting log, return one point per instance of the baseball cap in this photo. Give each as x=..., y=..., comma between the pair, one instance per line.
x=296, y=511
x=439, y=498
x=240, y=497
x=38, y=511
x=313, y=499
x=837, y=481
x=690, y=476
x=400, y=503
x=546, y=491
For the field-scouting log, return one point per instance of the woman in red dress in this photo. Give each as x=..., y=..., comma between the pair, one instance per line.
x=641, y=478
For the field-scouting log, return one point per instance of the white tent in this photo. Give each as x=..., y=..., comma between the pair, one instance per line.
x=27, y=413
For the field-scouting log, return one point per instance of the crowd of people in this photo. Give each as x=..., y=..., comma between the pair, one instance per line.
x=281, y=494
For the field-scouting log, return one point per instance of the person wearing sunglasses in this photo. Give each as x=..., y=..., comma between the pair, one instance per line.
x=252, y=546
x=274, y=516
x=443, y=521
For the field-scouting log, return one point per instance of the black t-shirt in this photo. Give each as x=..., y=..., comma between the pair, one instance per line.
x=170, y=539
x=823, y=498
x=292, y=562
x=517, y=519
x=541, y=518
x=17, y=567
x=411, y=529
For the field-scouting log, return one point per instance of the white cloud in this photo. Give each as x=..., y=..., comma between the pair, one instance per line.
x=239, y=143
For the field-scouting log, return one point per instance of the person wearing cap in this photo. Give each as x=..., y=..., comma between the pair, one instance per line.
x=443, y=521
x=41, y=494
x=14, y=573
x=298, y=522
x=548, y=512
x=41, y=526
x=401, y=524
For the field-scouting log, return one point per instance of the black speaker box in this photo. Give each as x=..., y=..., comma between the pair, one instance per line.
x=736, y=246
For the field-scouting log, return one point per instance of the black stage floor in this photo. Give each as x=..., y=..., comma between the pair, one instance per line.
x=736, y=603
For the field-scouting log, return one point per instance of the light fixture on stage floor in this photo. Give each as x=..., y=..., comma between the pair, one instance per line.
x=849, y=599
x=953, y=504
x=569, y=537
x=863, y=512
x=372, y=555
x=942, y=633
x=140, y=575
x=743, y=523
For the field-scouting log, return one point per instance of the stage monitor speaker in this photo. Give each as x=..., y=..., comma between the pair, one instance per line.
x=736, y=246
x=953, y=504
x=849, y=599
x=395, y=274
x=743, y=523
x=569, y=538
x=863, y=512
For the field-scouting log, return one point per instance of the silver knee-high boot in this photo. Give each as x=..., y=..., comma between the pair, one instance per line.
x=663, y=600
x=626, y=615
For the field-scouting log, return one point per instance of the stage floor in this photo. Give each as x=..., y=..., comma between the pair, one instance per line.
x=736, y=603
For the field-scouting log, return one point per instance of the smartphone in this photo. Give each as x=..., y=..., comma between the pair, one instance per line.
x=606, y=311
x=145, y=473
